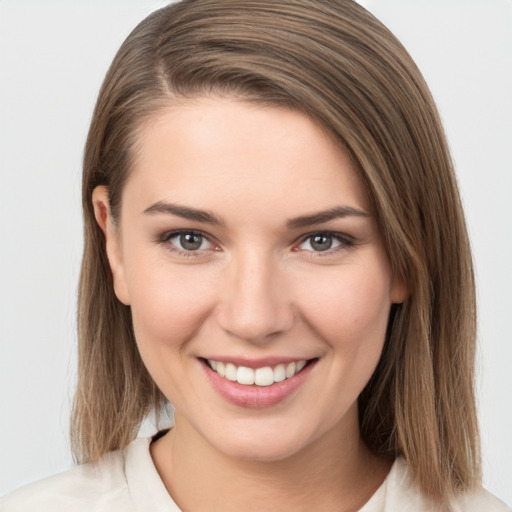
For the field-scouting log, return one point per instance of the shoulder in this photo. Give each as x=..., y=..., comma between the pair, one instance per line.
x=399, y=492
x=478, y=501
x=122, y=481
x=99, y=486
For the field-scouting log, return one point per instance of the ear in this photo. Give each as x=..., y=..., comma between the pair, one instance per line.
x=399, y=290
x=113, y=245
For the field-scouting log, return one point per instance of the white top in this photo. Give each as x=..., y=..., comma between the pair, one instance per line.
x=127, y=481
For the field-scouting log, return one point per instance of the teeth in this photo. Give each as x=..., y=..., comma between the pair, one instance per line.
x=290, y=370
x=231, y=373
x=279, y=373
x=265, y=376
x=245, y=375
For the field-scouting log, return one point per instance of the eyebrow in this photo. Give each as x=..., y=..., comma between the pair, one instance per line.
x=207, y=217
x=325, y=216
x=185, y=212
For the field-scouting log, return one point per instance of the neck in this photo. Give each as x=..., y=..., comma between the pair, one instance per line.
x=335, y=472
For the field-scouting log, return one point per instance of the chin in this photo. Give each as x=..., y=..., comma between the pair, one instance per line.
x=259, y=442
x=263, y=451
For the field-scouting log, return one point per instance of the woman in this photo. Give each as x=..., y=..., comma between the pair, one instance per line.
x=274, y=244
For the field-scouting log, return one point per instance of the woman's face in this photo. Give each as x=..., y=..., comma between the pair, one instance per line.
x=247, y=243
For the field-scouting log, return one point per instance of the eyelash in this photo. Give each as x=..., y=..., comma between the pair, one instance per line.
x=165, y=238
x=345, y=242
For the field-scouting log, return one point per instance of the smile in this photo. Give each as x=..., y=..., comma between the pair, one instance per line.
x=265, y=376
x=257, y=385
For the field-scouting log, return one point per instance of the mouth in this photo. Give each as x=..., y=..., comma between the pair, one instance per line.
x=262, y=386
x=264, y=376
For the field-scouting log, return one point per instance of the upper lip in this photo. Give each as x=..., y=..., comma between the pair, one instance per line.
x=257, y=362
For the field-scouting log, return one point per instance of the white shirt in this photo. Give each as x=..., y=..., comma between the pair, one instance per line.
x=127, y=481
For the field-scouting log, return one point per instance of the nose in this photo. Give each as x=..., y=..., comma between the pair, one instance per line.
x=255, y=304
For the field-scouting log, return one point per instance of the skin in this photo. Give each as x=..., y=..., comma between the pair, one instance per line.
x=256, y=288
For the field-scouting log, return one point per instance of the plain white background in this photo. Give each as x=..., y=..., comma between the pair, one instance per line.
x=53, y=55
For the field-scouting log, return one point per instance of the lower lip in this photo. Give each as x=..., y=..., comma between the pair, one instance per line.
x=256, y=397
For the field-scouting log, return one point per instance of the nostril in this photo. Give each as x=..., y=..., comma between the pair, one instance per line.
x=256, y=326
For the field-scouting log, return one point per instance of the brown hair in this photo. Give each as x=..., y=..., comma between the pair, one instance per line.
x=336, y=63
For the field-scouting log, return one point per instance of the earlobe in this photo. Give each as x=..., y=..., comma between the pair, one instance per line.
x=101, y=204
x=399, y=291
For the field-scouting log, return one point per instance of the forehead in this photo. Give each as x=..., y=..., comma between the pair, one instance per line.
x=210, y=149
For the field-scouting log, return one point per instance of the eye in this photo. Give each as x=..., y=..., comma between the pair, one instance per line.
x=323, y=242
x=188, y=241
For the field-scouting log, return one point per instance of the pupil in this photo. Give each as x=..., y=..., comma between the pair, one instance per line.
x=321, y=242
x=191, y=241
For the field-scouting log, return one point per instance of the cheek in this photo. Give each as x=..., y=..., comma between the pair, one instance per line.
x=169, y=303
x=349, y=311
x=349, y=308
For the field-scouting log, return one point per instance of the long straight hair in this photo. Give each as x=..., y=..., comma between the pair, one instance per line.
x=333, y=61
